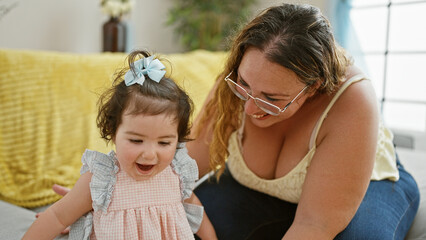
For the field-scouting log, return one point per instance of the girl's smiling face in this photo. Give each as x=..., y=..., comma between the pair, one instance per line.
x=145, y=145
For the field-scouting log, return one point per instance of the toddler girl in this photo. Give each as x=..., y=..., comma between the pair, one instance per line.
x=136, y=192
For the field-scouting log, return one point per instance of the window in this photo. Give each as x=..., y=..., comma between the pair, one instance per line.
x=388, y=41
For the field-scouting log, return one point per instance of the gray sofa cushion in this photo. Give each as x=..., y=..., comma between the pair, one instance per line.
x=415, y=163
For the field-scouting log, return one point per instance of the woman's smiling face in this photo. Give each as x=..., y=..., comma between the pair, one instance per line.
x=145, y=145
x=271, y=82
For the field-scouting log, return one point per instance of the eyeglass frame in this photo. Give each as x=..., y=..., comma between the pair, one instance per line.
x=255, y=99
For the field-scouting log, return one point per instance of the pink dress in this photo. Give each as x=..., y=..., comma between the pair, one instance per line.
x=128, y=209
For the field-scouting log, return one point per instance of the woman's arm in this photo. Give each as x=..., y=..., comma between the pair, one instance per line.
x=64, y=212
x=340, y=171
x=206, y=230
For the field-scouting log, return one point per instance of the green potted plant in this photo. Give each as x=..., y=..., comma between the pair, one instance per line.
x=205, y=24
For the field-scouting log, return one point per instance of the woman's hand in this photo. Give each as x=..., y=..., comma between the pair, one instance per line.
x=60, y=189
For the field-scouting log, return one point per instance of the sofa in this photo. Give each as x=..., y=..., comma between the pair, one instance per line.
x=47, y=120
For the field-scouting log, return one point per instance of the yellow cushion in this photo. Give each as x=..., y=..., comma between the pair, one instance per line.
x=48, y=112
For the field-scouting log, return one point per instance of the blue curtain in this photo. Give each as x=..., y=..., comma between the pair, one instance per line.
x=339, y=11
x=344, y=32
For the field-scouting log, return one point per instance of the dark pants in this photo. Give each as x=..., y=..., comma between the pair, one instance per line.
x=238, y=212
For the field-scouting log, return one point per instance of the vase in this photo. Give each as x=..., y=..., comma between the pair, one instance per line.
x=114, y=35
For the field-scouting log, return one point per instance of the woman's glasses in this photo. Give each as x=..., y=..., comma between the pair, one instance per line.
x=269, y=108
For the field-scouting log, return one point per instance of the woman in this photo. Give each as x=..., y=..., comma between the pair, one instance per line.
x=307, y=155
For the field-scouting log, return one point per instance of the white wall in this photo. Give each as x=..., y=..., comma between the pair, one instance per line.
x=75, y=25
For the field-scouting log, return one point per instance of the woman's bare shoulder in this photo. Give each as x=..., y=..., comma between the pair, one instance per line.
x=352, y=71
x=355, y=106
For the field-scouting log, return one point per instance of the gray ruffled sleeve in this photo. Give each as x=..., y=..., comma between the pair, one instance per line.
x=82, y=228
x=103, y=168
x=187, y=169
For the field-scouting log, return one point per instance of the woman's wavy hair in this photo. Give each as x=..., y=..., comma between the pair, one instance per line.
x=295, y=36
x=151, y=98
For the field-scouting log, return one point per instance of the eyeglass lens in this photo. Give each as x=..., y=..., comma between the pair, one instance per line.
x=243, y=94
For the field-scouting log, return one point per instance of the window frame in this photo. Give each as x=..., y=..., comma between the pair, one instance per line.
x=403, y=137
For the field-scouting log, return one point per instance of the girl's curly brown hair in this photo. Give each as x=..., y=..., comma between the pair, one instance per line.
x=151, y=98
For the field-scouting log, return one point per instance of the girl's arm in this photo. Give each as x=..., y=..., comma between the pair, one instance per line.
x=341, y=168
x=64, y=212
x=206, y=230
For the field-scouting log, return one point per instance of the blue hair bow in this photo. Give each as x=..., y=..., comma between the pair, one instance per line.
x=148, y=66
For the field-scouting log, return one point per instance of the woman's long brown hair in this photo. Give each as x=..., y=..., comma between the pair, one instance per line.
x=295, y=36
